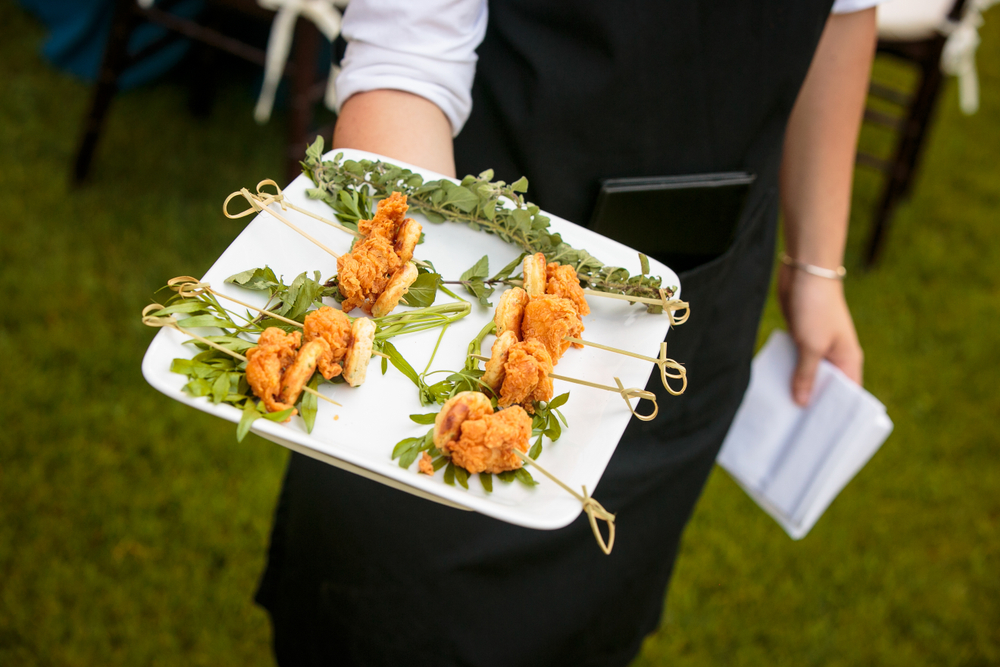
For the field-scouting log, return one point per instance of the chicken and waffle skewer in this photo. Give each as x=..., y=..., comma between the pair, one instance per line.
x=542, y=310
x=482, y=440
x=152, y=317
x=378, y=270
x=535, y=326
x=280, y=365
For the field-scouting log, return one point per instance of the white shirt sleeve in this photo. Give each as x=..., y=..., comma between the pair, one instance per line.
x=848, y=6
x=424, y=47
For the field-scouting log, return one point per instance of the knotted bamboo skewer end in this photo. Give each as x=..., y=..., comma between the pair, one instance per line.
x=594, y=510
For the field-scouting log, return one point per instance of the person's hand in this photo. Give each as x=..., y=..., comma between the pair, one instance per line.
x=821, y=326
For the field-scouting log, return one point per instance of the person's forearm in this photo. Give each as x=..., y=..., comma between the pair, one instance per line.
x=816, y=171
x=821, y=140
x=399, y=125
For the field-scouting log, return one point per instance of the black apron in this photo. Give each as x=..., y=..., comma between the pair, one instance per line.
x=567, y=94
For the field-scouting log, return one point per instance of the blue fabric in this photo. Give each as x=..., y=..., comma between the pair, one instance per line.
x=78, y=30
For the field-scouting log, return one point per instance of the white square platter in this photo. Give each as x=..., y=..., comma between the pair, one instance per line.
x=375, y=416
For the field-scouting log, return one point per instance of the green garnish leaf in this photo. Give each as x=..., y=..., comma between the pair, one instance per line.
x=505, y=272
x=199, y=321
x=405, y=445
x=310, y=404
x=220, y=388
x=186, y=307
x=536, y=449
x=462, y=476
x=459, y=197
x=480, y=269
x=315, y=150
x=554, y=430
x=424, y=419
x=524, y=477
x=278, y=416
x=250, y=415
x=486, y=479
x=507, y=476
x=198, y=387
x=422, y=292
x=255, y=279
x=558, y=401
x=397, y=360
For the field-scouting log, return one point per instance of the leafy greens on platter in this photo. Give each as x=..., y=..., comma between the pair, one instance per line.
x=221, y=377
x=351, y=188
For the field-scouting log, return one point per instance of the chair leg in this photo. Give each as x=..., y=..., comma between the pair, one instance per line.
x=303, y=79
x=112, y=65
x=908, y=152
x=202, y=85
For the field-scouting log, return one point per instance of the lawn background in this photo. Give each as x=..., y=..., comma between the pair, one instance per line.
x=133, y=529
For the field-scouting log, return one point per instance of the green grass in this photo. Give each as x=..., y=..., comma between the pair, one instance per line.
x=133, y=529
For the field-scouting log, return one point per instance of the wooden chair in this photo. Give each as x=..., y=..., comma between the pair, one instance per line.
x=307, y=86
x=921, y=46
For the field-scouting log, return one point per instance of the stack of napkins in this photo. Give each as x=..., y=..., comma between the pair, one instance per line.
x=794, y=461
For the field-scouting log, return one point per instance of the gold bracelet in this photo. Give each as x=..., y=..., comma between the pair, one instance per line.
x=832, y=274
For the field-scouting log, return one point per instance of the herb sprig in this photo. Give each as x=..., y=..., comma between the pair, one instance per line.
x=350, y=188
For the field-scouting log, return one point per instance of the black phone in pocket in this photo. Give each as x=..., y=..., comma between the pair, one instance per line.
x=683, y=221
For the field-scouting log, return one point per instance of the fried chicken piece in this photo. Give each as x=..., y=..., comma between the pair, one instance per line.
x=463, y=405
x=548, y=319
x=533, y=268
x=334, y=327
x=359, y=352
x=394, y=291
x=267, y=363
x=364, y=273
x=526, y=375
x=487, y=444
x=389, y=216
x=301, y=371
x=407, y=239
x=562, y=281
x=494, y=373
x=510, y=311
x=425, y=464
x=377, y=273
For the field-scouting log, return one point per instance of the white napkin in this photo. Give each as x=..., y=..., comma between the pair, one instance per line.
x=794, y=461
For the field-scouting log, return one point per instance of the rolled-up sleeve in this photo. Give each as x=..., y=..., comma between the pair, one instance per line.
x=848, y=6
x=424, y=47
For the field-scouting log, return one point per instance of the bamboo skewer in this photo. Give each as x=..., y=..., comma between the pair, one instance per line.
x=263, y=199
x=627, y=394
x=260, y=203
x=170, y=322
x=593, y=508
x=670, y=305
x=188, y=287
x=662, y=362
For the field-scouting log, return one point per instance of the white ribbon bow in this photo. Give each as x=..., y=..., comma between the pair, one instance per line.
x=325, y=14
x=959, y=55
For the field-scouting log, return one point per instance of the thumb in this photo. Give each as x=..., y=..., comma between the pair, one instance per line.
x=804, y=375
